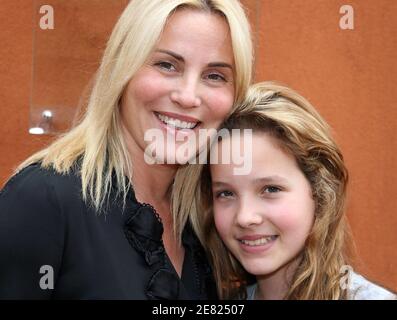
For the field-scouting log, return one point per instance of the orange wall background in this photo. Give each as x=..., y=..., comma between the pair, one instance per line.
x=349, y=75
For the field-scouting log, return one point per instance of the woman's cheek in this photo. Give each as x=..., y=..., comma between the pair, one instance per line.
x=147, y=85
x=220, y=103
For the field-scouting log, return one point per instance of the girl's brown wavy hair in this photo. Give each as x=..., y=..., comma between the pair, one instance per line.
x=290, y=118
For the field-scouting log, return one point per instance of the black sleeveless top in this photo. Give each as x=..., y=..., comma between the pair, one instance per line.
x=119, y=254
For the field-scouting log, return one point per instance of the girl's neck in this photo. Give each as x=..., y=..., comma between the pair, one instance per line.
x=275, y=286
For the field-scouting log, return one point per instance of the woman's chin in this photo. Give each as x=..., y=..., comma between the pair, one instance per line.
x=176, y=155
x=169, y=159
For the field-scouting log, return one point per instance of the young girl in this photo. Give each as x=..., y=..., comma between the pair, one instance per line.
x=284, y=221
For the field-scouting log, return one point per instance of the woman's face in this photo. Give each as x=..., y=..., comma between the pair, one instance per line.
x=186, y=85
x=263, y=217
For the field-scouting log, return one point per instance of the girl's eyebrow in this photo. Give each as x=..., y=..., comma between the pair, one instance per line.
x=271, y=179
x=262, y=180
x=180, y=58
x=219, y=184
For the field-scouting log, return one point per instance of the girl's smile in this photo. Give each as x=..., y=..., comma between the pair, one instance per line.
x=263, y=217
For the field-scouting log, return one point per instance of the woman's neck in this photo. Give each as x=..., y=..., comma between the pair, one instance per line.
x=152, y=183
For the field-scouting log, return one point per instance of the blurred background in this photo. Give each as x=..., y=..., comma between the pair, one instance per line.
x=348, y=74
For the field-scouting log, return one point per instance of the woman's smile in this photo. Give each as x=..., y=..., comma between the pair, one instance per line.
x=178, y=122
x=187, y=84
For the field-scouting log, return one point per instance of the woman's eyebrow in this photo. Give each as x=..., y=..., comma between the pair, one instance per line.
x=220, y=65
x=180, y=58
x=171, y=53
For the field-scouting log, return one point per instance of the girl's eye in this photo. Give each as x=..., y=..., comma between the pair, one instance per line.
x=224, y=194
x=271, y=189
x=165, y=66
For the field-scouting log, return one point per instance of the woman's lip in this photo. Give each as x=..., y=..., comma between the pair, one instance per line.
x=176, y=132
x=179, y=117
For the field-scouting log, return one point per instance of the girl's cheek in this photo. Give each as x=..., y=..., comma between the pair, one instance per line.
x=293, y=219
x=285, y=218
x=222, y=222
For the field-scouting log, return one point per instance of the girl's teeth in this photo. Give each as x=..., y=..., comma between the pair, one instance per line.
x=176, y=123
x=258, y=242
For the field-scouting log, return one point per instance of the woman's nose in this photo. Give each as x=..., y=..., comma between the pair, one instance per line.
x=186, y=93
x=249, y=214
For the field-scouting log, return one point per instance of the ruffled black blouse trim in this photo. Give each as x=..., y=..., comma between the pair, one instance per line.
x=144, y=231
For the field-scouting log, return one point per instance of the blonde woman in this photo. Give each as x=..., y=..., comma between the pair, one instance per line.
x=89, y=217
x=284, y=221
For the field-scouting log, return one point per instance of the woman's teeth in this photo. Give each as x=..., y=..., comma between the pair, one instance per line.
x=178, y=124
x=259, y=242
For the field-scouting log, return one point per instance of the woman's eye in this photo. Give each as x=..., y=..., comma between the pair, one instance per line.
x=216, y=77
x=165, y=66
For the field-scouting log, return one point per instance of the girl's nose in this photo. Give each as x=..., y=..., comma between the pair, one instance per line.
x=249, y=214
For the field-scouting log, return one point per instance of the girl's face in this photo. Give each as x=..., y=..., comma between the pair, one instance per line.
x=186, y=85
x=264, y=217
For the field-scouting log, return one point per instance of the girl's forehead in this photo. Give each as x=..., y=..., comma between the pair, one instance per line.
x=261, y=151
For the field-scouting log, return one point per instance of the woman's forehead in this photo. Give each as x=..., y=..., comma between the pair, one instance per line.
x=194, y=31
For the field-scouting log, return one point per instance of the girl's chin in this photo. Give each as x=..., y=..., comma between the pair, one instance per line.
x=257, y=271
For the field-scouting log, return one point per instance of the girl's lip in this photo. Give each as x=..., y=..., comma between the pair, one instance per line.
x=254, y=237
x=179, y=117
x=258, y=248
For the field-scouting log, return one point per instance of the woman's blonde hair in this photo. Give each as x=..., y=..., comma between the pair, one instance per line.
x=97, y=141
x=291, y=119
